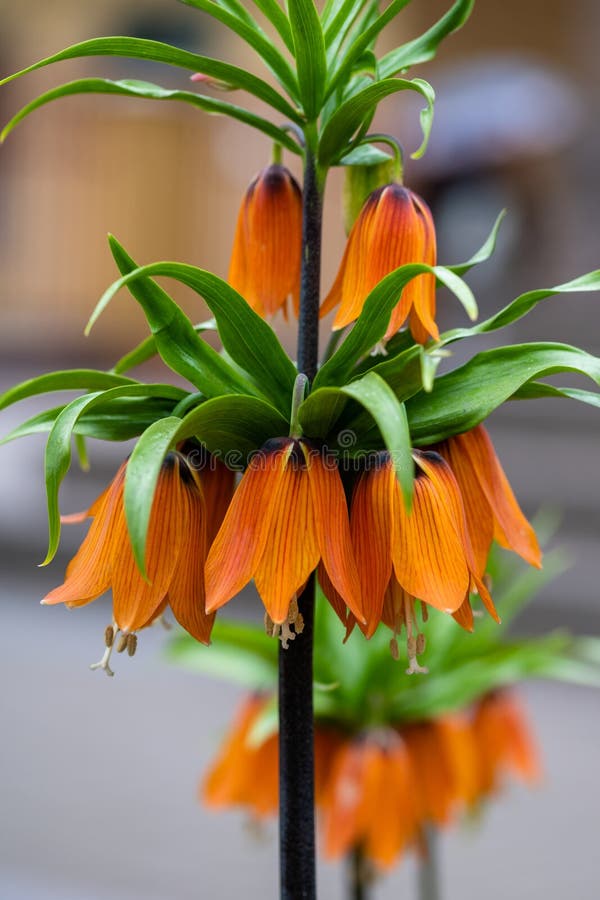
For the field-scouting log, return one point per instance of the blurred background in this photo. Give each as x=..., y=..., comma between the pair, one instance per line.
x=97, y=784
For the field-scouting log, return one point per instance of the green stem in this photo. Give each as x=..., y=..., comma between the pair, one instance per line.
x=429, y=881
x=296, y=727
x=358, y=883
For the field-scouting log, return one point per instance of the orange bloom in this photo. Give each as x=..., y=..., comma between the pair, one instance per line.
x=394, y=228
x=504, y=743
x=424, y=554
x=288, y=513
x=246, y=773
x=490, y=506
x=369, y=800
x=266, y=255
x=175, y=555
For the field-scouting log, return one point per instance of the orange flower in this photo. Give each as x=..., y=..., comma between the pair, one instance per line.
x=245, y=773
x=288, y=513
x=394, y=228
x=265, y=260
x=504, y=743
x=490, y=505
x=424, y=554
x=369, y=800
x=175, y=556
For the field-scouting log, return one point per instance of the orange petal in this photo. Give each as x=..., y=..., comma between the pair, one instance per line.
x=512, y=530
x=88, y=573
x=239, y=545
x=291, y=551
x=371, y=524
x=186, y=590
x=332, y=529
x=428, y=554
x=136, y=600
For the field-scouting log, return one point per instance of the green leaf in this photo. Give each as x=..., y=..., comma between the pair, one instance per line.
x=141, y=478
x=147, y=349
x=425, y=47
x=535, y=390
x=66, y=380
x=256, y=39
x=365, y=155
x=144, y=89
x=233, y=427
x=119, y=420
x=389, y=413
x=249, y=340
x=238, y=652
x=320, y=411
x=375, y=316
x=466, y=396
x=139, y=48
x=364, y=41
x=58, y=448
x=524, y=304
x=348, y=118
x=309, y=52
x=276, y=16
x=484, y=252
x=179, y=345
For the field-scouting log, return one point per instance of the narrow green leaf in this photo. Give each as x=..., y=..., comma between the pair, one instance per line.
x=348, y=118
x=276, y=16
x=466, y=396
x=535, y=390
x=82, y=452
x=374, y=319
x=238, y=652
x=248, y=339
x=524, y=304
x=67, y=380
x=232, y=427
x=146, y=90
x=147, y=348
x=389, y=413
x=119, y=420
x=364, y=41
x=58, y=448
x=484, y=252
x=139, y=48
x=141, y=478
x=309, y=52
x=319, y=413
x=425, y=47
x=179, y=345
x=257, y=39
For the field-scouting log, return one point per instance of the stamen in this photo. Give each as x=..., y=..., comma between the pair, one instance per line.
x=380, y=349
x=394, y=649
x=109, y=640
x=122, y=642
x=132, y=644
x=284, y=631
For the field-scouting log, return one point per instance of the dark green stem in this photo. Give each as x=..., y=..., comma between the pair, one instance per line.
x=358, y=883
x=296, y=728
x=429, y=876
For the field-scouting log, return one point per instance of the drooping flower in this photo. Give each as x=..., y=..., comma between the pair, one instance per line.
x=266, y=255
x=176, y=552
x=394, y=227
x=288, y=513
x=369, y=801
x=504, y=743
x=491, y=509
x=424, y=554
x=245, y=772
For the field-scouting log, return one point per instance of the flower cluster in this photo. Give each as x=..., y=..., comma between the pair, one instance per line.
x=378, y=789
x=298, y=507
